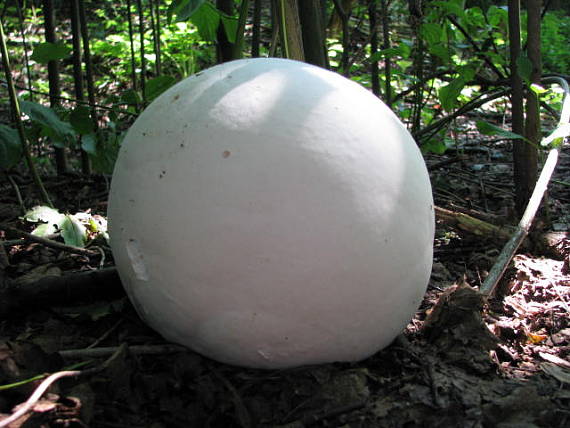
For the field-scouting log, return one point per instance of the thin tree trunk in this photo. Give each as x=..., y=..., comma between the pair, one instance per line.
x=132, y=46
x=237, y=51
x=78, y=75
x=256, y=29
x=225, y=49
x=336, y=21
x=53, y=78
x=143, y=59
x=532, y=123
x=385, y=4
x=290, y=26
x=343, y=12
x=155, y=27
x=373, y=17
x=416, y=17
x=313, y=32
x=25, y=44
x=519, y=157
x=88, y=64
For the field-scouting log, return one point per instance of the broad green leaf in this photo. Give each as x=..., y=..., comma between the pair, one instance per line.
x=402, y=50
x=496, y=16
x=130, y=97
x=183, y=9
x=43, y=214
x=80, y=120
x=230, y=24
x=467, y=72
x=524, y=66
x=45, y=229
x=448, y=94
x=537, y=89
x=440, y=50
x=50, y=218
x=89, y=144
x=207, y=19
x=431, y=32
x=437, y=145
x=156, y=86
x=48, y=118
x=46, y=52
x=452, y=6
x=73, y=232
x=487, y=128
x=10, y=147
x=557, y=136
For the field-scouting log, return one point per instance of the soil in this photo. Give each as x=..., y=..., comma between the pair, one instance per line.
x=462, y=361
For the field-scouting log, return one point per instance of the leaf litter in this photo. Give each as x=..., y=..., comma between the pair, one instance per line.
x=461, y=362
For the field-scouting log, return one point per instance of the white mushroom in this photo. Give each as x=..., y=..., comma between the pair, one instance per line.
x=268, y=213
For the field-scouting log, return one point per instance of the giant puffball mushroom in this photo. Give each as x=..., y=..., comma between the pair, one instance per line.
x=269, y=213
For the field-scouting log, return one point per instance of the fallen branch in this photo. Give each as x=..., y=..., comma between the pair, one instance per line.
x=82, y=286
x=471, y=224
x=75, y=354
x=49, y=242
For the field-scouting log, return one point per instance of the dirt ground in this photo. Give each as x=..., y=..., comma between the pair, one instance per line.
x=462, y=363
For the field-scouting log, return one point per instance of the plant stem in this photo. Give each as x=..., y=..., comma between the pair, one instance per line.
x=18, y=116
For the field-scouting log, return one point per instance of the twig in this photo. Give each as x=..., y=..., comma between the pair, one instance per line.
x=134, y=350
x=47, y=382
x=17, y=192
x=49, y=242
x=105, y=335
x=40, y=390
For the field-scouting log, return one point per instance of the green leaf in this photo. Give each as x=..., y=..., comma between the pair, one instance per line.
x=156, y=86
x=431, y=32
x=48, y=118
x=497, y=15
x=80, y=120
x=207, y=20
x=10, y=147
x=524, y=67
x=45, y=229
x=402, y=50
x=43, y=214
x=50, y=218
x=46, y=52
x=537, y=89
x=89, y=144
x=454, y=7
x=73, y=232
x=487, y=128
x=183, y=9
x=557, y=136
x=448, y=94
x=230, y=24
x=130, y=97
x=437, y=145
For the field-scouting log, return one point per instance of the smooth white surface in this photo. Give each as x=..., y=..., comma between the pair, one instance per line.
x=269, y=213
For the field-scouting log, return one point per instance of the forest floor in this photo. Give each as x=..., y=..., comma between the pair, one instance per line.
x=465, y=364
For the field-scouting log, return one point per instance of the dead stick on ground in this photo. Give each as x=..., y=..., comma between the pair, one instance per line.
x=134, y=350
x=523, y=228
x=47, y=382
x=49, y=242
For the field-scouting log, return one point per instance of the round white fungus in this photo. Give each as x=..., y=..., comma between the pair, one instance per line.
x=268, y=213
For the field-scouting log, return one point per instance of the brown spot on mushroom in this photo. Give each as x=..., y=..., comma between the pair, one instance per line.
x=226, y=154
